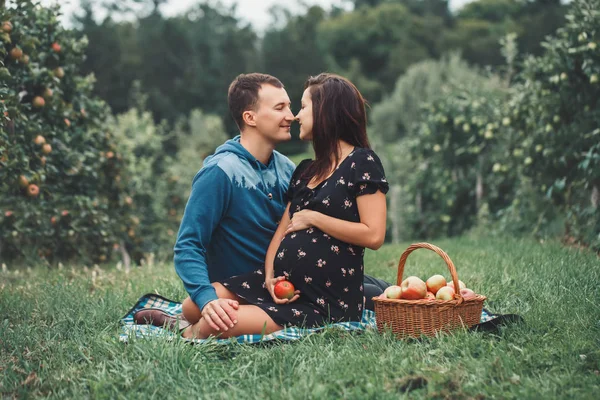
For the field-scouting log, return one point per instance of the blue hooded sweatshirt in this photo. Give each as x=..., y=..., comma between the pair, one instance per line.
x=233, y=211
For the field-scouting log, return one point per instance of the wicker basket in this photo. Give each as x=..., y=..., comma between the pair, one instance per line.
x=413, y=318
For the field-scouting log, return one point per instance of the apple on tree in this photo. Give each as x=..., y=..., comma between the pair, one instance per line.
x=23, y=181
x=38, y=102
x=33, y=190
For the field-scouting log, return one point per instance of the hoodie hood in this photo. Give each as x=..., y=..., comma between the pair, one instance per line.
x=234, y=146
x=268, y=175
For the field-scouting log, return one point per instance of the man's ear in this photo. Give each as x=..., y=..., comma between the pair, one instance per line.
x=249, y=118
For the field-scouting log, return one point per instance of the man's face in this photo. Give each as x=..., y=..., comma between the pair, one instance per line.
x=305, y=116
x=273, y=116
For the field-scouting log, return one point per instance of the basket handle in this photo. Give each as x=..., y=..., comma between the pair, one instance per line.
x=437, y=250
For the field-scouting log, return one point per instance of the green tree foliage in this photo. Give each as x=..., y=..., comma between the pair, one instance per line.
x=436, y=134
x=182, y=62
x=557, y=117
x=380, y=43
x=479, y=26
x=61, y=192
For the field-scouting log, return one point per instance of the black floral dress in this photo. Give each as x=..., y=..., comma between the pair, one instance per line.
x=328, y=272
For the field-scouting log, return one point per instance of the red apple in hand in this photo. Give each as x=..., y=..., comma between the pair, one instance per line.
x=435, y=283
x=445, y=293
x=460, y=283
x=413, y=288
x=467, y=294
x=392, y=292
x=284, y=290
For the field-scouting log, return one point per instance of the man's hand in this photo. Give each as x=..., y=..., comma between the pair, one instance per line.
x=221, y=314
x=270, y=284
x=301, y=220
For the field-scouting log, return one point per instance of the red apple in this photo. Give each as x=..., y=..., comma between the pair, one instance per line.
x=25, y=59
x=47, y=93
x=284, y=290
x=430, y=296
x=56, y=47
x=7, y=26
x=38, y=102
x=33, y=190
x=64, y=213
x=67, y=122
x=53, y=220
x=392, y=292
x=445, y=293
x=46, y=149
x=413, y=288
x=43, y=160
x=467, y=294
x=16, y=53
x=8, y=214
x=435, y=283
x=460, y=283
x=39, y=140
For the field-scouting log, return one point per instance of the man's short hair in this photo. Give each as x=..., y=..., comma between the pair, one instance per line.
x=243, y=94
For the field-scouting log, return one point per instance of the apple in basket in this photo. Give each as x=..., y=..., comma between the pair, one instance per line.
x=467, y=294
x=430, y=296
x=460, y=283
x=445, y=293
x=392, y=292
x=413, y=288
x=284, y=290
x=435, y=283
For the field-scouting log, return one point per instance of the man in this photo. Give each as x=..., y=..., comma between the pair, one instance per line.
x=237, y=200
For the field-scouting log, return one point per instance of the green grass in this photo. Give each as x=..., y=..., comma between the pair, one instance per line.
x=58, y=337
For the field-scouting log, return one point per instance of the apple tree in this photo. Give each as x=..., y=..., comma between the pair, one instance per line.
x=556, y=112
x=63, y=187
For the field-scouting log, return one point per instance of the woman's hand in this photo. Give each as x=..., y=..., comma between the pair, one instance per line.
x=301, y=220
x=270, y=284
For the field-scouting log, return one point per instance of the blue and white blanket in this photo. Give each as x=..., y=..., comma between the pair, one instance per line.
x=129, y=328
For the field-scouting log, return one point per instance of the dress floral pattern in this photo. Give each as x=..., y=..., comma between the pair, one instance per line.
x=327, y=271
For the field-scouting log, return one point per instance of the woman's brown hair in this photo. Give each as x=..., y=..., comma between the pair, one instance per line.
x=339, y=113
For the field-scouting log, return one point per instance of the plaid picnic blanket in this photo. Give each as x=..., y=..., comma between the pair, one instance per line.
x=150, y=300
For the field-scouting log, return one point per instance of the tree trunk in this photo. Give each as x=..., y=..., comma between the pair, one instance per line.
x=595, y=198
x=126, y=257
x=479, y=188
x=395, y=207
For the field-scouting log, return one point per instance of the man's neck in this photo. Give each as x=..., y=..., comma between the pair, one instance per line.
x=256, y=145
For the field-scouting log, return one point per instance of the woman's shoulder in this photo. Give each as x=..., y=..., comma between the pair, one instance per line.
x=301, y=167
x=364, y=153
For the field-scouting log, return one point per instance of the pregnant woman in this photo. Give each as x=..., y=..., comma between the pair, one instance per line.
x=336, y=208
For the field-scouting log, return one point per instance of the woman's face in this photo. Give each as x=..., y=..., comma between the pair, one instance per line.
x=305, y=116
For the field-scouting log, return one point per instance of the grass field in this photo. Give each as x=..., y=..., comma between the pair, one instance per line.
x=59, y=337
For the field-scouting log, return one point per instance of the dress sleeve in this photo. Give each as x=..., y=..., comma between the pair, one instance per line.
x=295, y=182
x=368, y=175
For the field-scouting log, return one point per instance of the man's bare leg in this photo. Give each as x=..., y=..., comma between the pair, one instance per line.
x=251, y=320
x=193, y=314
